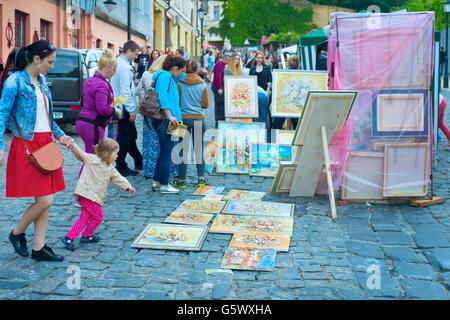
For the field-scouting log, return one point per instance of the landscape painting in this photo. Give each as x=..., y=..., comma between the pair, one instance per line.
x=265, y=158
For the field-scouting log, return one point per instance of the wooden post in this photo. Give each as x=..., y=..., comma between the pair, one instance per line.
x=328, y=168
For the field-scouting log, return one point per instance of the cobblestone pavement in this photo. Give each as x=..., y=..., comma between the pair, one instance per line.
x=407, y=247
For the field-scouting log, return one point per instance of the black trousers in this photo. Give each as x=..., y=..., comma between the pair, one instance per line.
x=126, y=137
x=219, y=105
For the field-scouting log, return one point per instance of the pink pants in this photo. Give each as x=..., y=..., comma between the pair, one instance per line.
x=441, y=122
x=91, y=217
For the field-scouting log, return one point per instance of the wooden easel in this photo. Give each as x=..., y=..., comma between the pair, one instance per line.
x=326, y=155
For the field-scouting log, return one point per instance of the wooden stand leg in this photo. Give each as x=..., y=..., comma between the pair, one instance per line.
x=328, y=168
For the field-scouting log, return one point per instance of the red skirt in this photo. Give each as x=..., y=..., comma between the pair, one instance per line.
x=22, y=178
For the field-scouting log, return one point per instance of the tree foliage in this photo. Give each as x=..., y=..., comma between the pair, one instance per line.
x=358, y=5
x=257, y=18
x=428, y=5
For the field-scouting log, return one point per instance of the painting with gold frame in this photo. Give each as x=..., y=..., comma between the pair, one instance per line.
x=283, y=179
x=232, y=223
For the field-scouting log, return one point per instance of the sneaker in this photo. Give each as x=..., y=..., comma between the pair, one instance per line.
x=46, y=254
x=128, y=172
x=19, y=244
x=179, y=183
x=156, y=186
x=68, y=243
x=202, y=182
x=168, y=189
x=90, y=239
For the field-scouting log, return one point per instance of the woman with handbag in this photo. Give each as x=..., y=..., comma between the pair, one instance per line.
x=26, y=107
x=98, y=96
x=173, y=70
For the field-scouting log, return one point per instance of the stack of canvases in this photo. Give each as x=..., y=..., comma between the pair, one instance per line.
x=260, y=228
x=384, y=150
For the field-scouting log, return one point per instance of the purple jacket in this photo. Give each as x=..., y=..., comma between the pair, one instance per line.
x=98, y=96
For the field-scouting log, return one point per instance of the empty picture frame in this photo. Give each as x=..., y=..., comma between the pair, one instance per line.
x=283, y=179
x=406, y=170
x=171, y=237
x=241, y=96
x=326, y=103
x=400, y=113
x=290, y=89
x=363, y=176
x=234, y=142
x=284, y=136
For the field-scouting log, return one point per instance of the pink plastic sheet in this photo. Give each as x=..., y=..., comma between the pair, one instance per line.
x=387, y=58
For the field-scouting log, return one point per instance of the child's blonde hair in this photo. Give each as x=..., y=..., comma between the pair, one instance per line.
x=105, y=147
x=107, y=59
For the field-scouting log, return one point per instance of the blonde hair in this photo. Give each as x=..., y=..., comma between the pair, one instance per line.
x=107, y=59
x=263, y=58
x=235, y=70
x=157, y=65
x=105, y=147
x=293, y=61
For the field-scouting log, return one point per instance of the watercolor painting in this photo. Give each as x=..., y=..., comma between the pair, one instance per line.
x=213, y=197
x=184, y=217
x=265, y=158
x=245, y=195
x=206, y=190
x=171, y=237
x=249, y=259
x=271, y=209
x=203, y=206
x=290, y=89
x=241, y=96
x=224, y=223
x=235, y=139
x=210, y=156
x=279, y=242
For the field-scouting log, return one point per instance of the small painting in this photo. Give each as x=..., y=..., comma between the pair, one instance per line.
x=203, y=206
x=230, y=223
x=213, y=197
x=279, y=242
x=210, y=156
x=205, y=190
x=241, y=258
x=284, y=136
x=241, y=96
x=244, y=195
x=270, y=209
x=184, y=217
x=171, y=237
x=265, y=158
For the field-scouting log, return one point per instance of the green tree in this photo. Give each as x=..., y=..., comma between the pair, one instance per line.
x=358, y=5
x=256, y=18
x=428, y=5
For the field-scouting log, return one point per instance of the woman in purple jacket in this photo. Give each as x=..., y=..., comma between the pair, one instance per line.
x=97, y=98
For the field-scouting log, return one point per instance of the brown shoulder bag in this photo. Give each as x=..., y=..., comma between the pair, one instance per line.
x=48, y=158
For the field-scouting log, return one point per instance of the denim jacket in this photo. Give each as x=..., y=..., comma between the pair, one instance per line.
x=19, y=97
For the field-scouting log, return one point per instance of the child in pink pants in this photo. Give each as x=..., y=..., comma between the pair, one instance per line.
x=91, y=189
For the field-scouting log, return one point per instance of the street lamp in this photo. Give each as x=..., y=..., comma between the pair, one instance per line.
x=232, y=28
x=201, y=15
x=111, y=5
x=289, y=35
x=446, y=10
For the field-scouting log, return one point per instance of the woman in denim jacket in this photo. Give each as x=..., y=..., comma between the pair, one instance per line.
x=25, y=95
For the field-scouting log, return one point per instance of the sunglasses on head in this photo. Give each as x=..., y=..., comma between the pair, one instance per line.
x=50, y=47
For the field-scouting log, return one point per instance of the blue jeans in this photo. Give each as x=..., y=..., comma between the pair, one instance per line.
x=162, y=168
x=263, y=110
x=198, y=149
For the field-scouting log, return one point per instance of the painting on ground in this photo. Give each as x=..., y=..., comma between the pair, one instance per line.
x=279, y=242
x=230, y=223
x=184, y=217
x=245, y=195
x=271, y=209
x=242, y=258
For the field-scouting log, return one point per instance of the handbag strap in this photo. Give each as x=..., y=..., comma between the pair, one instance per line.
x=151, y=128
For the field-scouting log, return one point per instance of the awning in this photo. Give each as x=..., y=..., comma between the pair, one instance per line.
x=313, y=38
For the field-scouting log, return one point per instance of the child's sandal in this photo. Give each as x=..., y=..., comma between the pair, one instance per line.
x=68, y=243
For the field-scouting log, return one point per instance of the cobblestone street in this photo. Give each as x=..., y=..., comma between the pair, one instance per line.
x=327, y=259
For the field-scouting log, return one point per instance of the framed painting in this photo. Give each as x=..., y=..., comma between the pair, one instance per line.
x=171, y=237
x=241, y=96
x=400, y=113
x=283, y=179
x=290, y=89
x=363, y=176
x=245, y=195
x=278, y=242
x=184, y=217
x=270, y=209
x=231, y=223
x=235, y=139
x=242, y=258
x=284, y=136
x=206, y=190
x=406, y=170
x=210, y=156
x=213, y=197
x=203, y=206
x=322, y=108
x=265, y=158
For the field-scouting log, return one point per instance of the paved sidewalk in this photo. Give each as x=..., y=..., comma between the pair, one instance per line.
x=407, y=247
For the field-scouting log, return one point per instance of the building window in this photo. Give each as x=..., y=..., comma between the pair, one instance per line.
x=45, y=30
x=20, y=20
x=216, y=13
x=75, y=39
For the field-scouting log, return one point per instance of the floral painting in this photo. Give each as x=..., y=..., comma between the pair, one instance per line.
x=290, y=89
x=241, y=258
x=279, y=242
x=206, y=190
x=184, y=217
x=245, y=195
x=273, y=209
x=204, y=206
x=241, y=96
x=171, y=237
x=224, y=223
